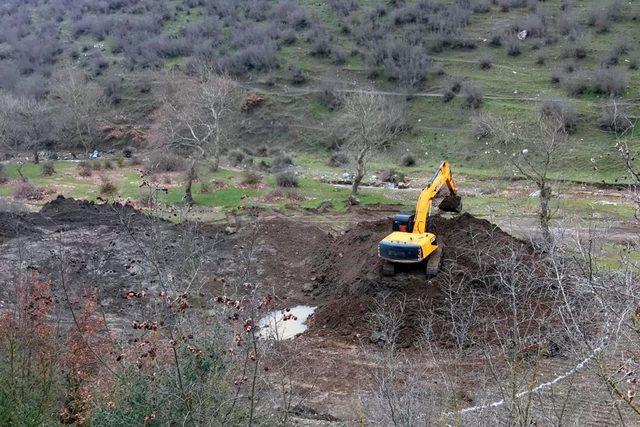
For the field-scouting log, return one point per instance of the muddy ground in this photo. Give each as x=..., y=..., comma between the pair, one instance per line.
x=114, y=249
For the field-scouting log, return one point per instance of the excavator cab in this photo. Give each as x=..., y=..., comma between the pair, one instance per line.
x=411, y=241
x=403, y=221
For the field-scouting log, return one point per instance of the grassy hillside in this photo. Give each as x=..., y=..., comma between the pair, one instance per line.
x=301, y=55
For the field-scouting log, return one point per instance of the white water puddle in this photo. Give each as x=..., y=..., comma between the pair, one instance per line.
x=285, y=324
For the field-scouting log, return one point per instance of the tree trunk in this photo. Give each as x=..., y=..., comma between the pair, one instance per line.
x=357, y=179
x=36, y=156
x=215, y=159
x=545, y=213
x=191, y=175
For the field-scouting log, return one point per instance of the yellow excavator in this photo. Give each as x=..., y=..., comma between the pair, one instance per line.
x=411, y=242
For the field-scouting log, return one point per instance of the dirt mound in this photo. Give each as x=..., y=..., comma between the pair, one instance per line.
x=350, y=279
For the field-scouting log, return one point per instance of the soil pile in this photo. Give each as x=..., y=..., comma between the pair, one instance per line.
x=349, y=273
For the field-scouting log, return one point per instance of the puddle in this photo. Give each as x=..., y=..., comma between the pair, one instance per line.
x=285, y=324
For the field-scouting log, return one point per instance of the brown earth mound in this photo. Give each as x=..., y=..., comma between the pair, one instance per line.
x=351, y=281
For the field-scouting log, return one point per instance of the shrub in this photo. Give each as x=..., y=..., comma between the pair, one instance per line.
x=108, y=188
x=480, y=6
x=135, y=161
x=296, y=75
x=555, y=76
x=287, y=179
x=576, y=84
x=280, y=163
x=564, y=111
x=338, y=57
x=496, y=40
x=236, y=157
x=392, y=176
x=599, y=20
x=3, y=177
x=610, y=81
x=250, y=177
x=514, y=48
x=634, y=60
x=614, y=118
x=473, y=95
x=47, y=169
x=338, y=159
x=577, y=50
x=24, y=190
x=619, y=47
x=541, y=58
x=119, y=162
x=262, y=151
x=330, y=98
x=407, y=160
x=165, y=162
x=107, y=164
x=84, y=169
x=485, y=62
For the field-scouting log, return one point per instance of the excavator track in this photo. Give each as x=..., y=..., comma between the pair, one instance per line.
x=433, y=262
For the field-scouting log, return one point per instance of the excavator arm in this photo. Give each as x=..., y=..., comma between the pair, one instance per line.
x=442, y=177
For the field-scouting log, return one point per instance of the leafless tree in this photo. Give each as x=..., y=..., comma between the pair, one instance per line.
x=538, y=152
x=77, y=104
x=25, y=124
x=619, y=122
x=199, y=118
x=370, y=121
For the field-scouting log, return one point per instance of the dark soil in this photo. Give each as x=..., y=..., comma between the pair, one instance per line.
x=351, y=281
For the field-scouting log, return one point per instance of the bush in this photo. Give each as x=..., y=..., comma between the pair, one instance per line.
x=614, y=118
x=250, y=177
x=236, y=157
x=338, y=160
x=485, y=62
x=514, y=48
x=576, y=84
x=407, y=160
x=107, y=164
x=280, y=163
x=541, y=58
x=480, y=6
x=634, y=60
x=555, y=76
x=108, y=188
x=47, y=169
x=24, y=190
x=330, y=98
x=564, y=111
x=619, y=48
x=577, y=50
x=392, y=176
x=84, y=169
x=610, y=81
x=296, y=75
x=287, y=179
x=3, y=177
x=599, y=20
x=473, y=95
x=165, y=162
x=496, y=40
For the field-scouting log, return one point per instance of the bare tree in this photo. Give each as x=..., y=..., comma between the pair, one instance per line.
x=77, y=103
x=370, y=121
x=24, y=124
x=618, y=121
x=199, y=117
x=537, y=154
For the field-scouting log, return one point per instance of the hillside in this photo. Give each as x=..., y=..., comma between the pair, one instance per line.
x=303, y=57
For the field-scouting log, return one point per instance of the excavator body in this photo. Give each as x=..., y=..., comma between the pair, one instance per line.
x=409, y=241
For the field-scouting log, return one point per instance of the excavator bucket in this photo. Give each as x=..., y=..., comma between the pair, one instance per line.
x=451, y=203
